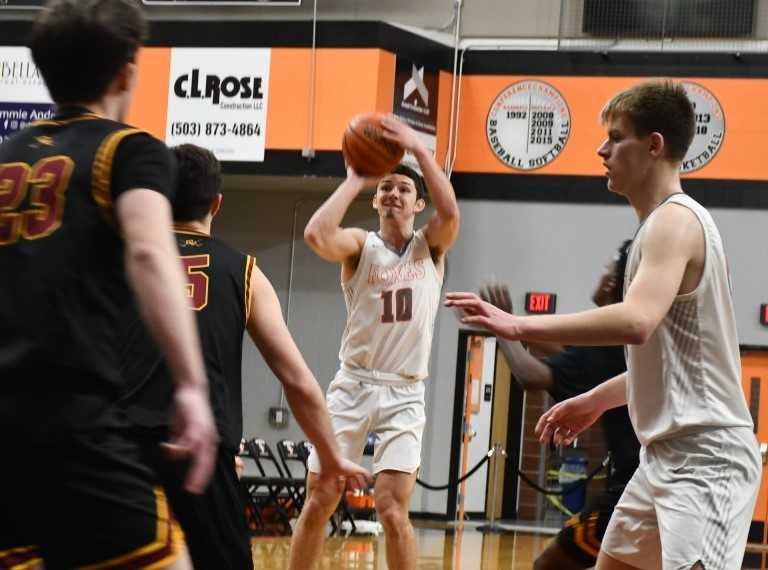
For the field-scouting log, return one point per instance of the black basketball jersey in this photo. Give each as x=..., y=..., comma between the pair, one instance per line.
x=62, y=279
x=218, y=289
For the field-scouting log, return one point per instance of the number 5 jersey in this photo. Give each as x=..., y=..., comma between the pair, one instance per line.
x=219, y=291
x=392, y=300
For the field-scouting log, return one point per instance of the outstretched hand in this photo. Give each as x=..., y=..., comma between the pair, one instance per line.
x=475, y=311
x=564, y=421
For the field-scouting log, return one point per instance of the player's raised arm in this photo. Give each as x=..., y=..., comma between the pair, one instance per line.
x=443, y=228
x=672, y=241
x=324, y=233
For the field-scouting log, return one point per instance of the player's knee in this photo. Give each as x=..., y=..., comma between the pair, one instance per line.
x=320, y=506
x=392, y=516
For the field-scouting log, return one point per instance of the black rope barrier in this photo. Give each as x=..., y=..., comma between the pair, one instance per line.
x=569, y=487
x=450, y=484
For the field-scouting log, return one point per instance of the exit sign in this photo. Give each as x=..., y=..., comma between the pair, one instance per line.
x=540, y=303
x=764, y=314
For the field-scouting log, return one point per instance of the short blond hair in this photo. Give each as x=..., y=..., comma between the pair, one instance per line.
x=659, y=106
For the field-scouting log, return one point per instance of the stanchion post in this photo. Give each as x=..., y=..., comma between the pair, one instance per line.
x=498, y=454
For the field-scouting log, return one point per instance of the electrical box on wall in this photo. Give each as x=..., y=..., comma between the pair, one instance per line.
x=764, y=314
x=278, y=417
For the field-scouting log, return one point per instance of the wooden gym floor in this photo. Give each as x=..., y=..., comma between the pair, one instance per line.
x=439, y=548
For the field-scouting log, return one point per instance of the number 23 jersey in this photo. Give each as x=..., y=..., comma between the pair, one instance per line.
x=63, y=288
x=392, y=300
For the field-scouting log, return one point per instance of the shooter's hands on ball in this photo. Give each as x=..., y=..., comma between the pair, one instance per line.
x=563, y=422
x=481, y=313
x=396, y=131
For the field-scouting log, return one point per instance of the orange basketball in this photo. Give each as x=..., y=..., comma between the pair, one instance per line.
x=366, y=150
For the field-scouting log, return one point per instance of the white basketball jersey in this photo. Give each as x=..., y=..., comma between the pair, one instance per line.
x=687, y=376
x=392, y=300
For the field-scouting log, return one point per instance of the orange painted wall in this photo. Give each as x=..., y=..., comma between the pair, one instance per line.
x=741, y=155
x=349, y=81
x=755, y=365
x=149, y=108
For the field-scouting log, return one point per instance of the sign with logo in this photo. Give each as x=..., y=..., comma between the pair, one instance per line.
x=23, y=95
x=415, y=102
x=710, y=127
x=528, y=125
x=217, y=99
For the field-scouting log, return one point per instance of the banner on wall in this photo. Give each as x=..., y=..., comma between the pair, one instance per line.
x=23, y=95
x=528, y=125
x=217, y=99
x=710, y=127
x=415, y=102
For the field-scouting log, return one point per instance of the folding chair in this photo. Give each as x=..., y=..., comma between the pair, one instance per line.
x=290, y=452
x=271, y=488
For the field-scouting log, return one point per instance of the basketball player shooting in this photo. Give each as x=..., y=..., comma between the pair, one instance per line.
x=690, y=502
x=391, y=281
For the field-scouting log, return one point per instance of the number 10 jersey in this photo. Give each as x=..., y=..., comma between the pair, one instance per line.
x=392, y=300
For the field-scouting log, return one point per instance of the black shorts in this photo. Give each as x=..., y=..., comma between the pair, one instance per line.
x=81, y=498
x=583, y=533
x=214, y=523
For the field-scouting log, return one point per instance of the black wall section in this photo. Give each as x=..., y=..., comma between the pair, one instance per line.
x=270, y=33
x=746, y=194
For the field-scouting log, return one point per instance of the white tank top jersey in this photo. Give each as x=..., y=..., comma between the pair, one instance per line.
x=392, y=300
x=687, y=376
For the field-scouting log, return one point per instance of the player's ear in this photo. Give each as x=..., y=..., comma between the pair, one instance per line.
x=421, y=203
x=656, y=144
x=126, y=77
x=216, y=204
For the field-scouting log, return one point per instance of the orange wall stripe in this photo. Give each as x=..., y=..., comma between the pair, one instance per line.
x=347, y=84
x=746, y=126
x=349, y=81
x=385, y=97
x=149, y=108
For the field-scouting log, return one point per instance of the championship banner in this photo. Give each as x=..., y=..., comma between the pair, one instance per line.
x=415, y=102
x=217, y=99
x=23, y=95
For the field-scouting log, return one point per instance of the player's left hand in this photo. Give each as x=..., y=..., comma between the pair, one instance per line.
x=342, y=473
x=564, y=421
x=478, y=312
x=398, y=132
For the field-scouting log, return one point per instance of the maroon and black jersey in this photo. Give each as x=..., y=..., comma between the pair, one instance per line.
x=219, y=291
x=63, y=289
